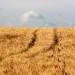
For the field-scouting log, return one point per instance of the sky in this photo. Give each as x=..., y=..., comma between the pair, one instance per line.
x=37, y=13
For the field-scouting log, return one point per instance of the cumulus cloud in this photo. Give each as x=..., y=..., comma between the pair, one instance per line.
x=31, y=15
x=33, y=18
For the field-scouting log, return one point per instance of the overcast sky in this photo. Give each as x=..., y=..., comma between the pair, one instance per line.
x=56, y=12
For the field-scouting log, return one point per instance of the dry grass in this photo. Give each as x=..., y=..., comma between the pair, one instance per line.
x=37, y=51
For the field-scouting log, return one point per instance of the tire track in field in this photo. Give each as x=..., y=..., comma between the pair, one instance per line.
x=55, y=42
x=30, y=45
x=59, y=60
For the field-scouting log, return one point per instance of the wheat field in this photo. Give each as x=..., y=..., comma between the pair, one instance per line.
x=37, y=51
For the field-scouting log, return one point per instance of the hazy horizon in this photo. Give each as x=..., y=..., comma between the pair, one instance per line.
x=37, y=13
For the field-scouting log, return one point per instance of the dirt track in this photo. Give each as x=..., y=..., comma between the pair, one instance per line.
x=32, y=51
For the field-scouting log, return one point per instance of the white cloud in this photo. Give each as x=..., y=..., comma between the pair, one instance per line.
x=30, y=15
x=34, y=19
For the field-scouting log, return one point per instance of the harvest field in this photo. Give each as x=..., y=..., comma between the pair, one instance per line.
x=37, y=51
